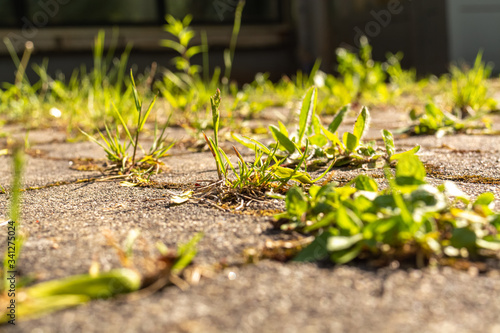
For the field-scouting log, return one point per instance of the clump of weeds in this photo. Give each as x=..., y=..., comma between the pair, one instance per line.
x=435, y=121
x=249, y=180
x=470, y=89
x=313, y=144
x=292, y=154
x=134, y=169
x=82, y=99
x=409, y=219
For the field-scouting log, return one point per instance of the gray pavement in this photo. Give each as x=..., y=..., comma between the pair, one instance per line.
x=66, y=226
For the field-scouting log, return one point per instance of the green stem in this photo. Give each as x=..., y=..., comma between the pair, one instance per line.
x=234, y=40
x=204, y=46
x=21, y=70
x=136, y=138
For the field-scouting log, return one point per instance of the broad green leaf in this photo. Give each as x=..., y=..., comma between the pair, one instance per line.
x=338, y=243
x=307, y=112
x=316, y=250
x=485, y=199
x=344, y=256
x=327, y=220
x=428, y=197
x=389, y=142
x=347, y=220
x=316, y=124
x=283, y=128
x=319, y=140
x=329, y=135
x=398, y=156
x=413, y=115
x=362, y=123
x=282, y=139
x=363, y=202
x=313, y=190
x=434, y=112
x=410, y=171
x=378, y=228
x=296, y=202
x=365, y=183
x=351, y=141
x=463, y=237
x=339, y=117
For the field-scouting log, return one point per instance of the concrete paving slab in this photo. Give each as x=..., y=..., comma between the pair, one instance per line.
x=66, y=226
x=272, y=297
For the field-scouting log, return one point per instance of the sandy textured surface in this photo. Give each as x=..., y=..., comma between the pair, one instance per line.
x=66, y=226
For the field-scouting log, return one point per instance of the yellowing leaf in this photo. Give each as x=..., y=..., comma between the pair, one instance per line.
x=128, y=184
x=182, y=198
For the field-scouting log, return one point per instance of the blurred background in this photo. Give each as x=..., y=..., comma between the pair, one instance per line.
x=277, y=36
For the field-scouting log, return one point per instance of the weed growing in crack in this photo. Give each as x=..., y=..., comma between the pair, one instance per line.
x=137, y=170
x=314, y=144
x=266, y=171
x=410, y=219
x=434, y=121
x=470, y=88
